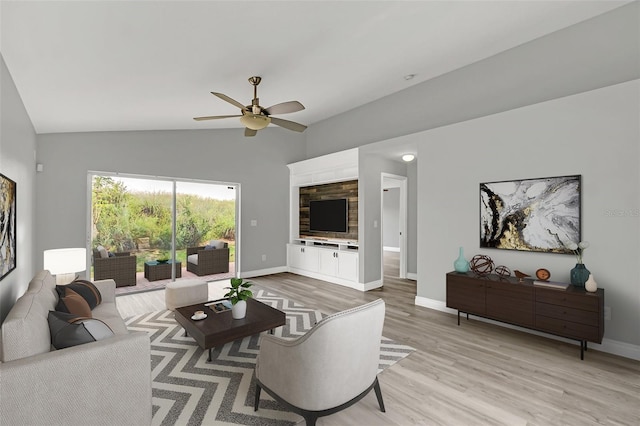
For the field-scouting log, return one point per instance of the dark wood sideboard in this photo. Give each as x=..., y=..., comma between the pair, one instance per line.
x=573, y=313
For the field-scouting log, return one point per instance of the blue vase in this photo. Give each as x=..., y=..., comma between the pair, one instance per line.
x=579, y=275
x=461, y=264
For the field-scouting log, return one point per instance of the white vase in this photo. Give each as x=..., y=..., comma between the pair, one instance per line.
x=239, y=310
x=591, y=284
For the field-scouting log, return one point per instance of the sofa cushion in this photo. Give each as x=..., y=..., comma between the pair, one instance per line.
x=192, y=258
x=108, y=313
x=71, y=330
x=25, y=330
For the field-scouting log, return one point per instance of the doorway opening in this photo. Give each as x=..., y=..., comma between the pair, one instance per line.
x=394, y=225
x=161, y=222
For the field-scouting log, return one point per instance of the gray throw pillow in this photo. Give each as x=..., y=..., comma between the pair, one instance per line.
x=70, y=330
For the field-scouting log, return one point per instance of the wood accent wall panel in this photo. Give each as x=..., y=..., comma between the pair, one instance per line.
x=328, y=191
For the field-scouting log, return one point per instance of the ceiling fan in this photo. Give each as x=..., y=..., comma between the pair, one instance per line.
x=254, y=117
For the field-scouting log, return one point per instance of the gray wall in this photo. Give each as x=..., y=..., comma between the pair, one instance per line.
x=258, y=164
x=17, y=152
x=595, y=134
x=370, y=168
x=594, y=53
x=391, y=217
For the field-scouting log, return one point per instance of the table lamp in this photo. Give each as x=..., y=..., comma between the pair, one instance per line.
x=64, y=263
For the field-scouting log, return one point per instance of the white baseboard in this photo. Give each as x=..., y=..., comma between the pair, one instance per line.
x=412, y=276
x=261, y=272
x=614, y=347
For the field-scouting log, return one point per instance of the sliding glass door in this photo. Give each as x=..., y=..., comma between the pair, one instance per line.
x=157, y=220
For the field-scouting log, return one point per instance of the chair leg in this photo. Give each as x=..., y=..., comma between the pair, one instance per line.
x=257, y=400
x=310, y=419
x=376, y=387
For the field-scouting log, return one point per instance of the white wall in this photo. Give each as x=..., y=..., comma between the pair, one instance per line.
x=595, y=134
x=258, y=164
x=17, y=162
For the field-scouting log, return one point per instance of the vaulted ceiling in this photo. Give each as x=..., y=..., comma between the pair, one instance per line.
x=151, y=65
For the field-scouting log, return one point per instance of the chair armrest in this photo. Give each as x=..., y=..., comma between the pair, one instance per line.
x=107, y=289
x=122, y=253
x=283, y=366
x=106, y=382
x=194, y=250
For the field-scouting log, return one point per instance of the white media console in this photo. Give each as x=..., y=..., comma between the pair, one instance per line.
x=335, y=261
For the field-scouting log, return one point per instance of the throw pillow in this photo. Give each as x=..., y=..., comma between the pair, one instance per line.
x=209, y=247
x=103, y=252
x=70, y=330
x=217, y=244
x=78, y=297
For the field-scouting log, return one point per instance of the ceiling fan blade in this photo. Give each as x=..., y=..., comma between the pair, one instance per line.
x=230, y=100
x=249, y=132
x=284, y=108
x=296, y=127
x=215, y=117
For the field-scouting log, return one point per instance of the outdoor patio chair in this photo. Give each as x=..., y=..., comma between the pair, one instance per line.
x=121, y=267
x=207, y=260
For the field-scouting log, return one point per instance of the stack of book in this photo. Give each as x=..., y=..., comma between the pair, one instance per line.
x=551, y=284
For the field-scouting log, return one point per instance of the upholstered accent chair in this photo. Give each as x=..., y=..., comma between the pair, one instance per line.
x=208, y=260
x=120, y=267
x=328, y=369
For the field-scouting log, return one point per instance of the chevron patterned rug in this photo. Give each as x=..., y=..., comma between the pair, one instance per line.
x=188, y=390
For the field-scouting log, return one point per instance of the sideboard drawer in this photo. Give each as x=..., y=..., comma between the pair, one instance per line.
x=567, y=328
x=568, y=314
x=563, y=298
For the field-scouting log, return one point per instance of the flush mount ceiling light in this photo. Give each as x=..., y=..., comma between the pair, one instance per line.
x=255, y=121
x=408, y=157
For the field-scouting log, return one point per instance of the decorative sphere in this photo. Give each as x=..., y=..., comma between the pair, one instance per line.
x=481, y=264
x=503, y=271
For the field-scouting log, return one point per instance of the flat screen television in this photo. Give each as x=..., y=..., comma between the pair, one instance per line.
x=328, y=215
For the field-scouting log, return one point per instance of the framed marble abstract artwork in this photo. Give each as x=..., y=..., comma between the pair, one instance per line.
x=7, y=225
x=541, y=215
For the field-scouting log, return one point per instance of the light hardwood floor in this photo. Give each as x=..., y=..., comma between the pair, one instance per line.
x=473, y=374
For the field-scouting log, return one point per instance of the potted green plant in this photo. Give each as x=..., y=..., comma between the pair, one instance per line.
x=238, y=294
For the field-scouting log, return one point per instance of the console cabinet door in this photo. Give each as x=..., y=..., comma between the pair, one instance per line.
x=509, y=303
x=347, y=265
x=466, y=295
x=303, y=257
x=328, y=263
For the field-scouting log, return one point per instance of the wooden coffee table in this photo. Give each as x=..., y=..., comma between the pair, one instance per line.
x=220, y=328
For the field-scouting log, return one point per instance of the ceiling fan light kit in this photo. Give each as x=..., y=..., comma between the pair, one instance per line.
x=254, y=117
x=255, y=121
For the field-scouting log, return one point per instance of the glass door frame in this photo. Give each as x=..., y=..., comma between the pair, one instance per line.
x=174, y=182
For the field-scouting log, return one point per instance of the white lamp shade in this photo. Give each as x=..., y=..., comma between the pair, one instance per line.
x=255, y=121
x=65, y=261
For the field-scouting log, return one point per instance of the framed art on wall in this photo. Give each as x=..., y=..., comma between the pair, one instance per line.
x=7, y=226
x=541, y=215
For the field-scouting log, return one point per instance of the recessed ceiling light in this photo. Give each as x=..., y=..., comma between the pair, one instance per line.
x=409, y=76
x=408, y=157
